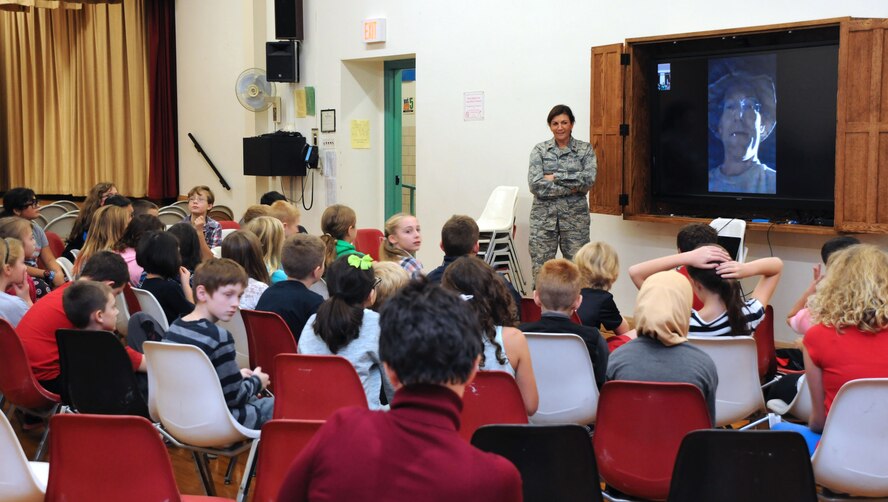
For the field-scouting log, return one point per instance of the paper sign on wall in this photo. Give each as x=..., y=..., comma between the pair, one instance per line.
x=473, y=105
x=360, y=134
x=299, y=97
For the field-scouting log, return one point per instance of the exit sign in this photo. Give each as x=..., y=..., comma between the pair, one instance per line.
x=374, y=30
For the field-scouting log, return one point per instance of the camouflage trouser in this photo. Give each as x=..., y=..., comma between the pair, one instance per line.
x=569, y=233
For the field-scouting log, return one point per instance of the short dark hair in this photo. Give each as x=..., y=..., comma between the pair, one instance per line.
x=428, y=335
x=217, y=273
x=459, y=235
x=268, y=198
x=560, y=110
x=106, y=266
x=82, y=298
x=158, y=253
x=189, y=244
x=836, y=244
x=302, y=253
x=142, y=206
x=118, y=200
x=693, y=235
x=137, y=227
x=17, y=198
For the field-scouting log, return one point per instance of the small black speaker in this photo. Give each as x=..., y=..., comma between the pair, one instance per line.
x=288, y=20
x=282, y=61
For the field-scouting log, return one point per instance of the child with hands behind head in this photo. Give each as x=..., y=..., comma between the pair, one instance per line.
x=714, y=279
x=218, y=286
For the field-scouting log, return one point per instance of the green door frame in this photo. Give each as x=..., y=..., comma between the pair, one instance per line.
x=393, y=109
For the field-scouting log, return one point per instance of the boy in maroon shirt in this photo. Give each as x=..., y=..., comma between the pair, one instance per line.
x=430, y=349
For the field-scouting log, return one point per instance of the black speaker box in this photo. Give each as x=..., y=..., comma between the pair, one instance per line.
x=288, y=20
x=282, y=61
x=274, y=155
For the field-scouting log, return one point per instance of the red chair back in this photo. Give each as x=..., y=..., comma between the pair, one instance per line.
x=368, y=241
x=267, y=336
x=17, y=381
x=314, y=387
x=493, y=397
x=639, y=428
x=56, y=244
x=229, y=225
x=282, y=441
x=108, y=457
x=764, y=343
x=132, y=302
x=530, y=311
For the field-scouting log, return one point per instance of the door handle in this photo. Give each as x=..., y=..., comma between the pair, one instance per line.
x=397, y=180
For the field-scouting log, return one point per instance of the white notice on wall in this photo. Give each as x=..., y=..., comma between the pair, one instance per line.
x=473, y=105
x=330, y=186
x=330, y=163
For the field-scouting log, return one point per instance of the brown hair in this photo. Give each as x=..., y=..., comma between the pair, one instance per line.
x=90, y=205
x=301, y=255
x=335, y=222
x=217, y=273
x=108, y=226
x=560, y=110
x=243, y=247
x=558, y=284
x=82, y=299
x=254, y=212
x=459, y=235
x=203, y=190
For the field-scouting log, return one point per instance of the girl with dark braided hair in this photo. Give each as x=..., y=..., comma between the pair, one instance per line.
x=714, y=278
x=505, y=347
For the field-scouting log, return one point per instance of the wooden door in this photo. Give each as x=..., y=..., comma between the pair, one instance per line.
x=862, y=127
x=606, y=115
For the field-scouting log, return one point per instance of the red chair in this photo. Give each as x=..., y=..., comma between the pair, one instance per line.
x=282, y=441
x=110, y=457
x=229, y=225
x=56, y=244
x=530, y=311
x=368, y=241
x=314, y=387
x=18, y=384
x=764, y=344
x=267, y=336
x=639, y=429
x=132, y=301
x=492, y=398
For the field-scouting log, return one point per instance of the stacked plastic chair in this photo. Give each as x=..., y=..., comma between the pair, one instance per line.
x=496, y=225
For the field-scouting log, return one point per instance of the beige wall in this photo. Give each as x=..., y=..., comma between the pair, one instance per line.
x=525, y=56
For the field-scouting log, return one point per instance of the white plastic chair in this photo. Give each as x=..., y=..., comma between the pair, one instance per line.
x=186, y=395
x=217, y=251
x=61, y=225
x=169, y=216
x=239, y=332
x=68, y=205
x=67, y=267
x=174, y=208
x=731, y=232
x=52, y=211
x=226, y=232
x=123, y=314
x=800, y=407
x=565, y=379
x=151, y=306
x=739, y=392
x=495, y=226
x=20, y=480
x=852, y=457
x=40, y=221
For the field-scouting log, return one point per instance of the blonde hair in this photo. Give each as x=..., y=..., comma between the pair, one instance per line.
x=285, y=211
x=15, y=227
x=390, y=277
x=387, y=250
x=270, y=232
x=854, y=291
x=599, y=265
x=108, y=226
x=335, y=222
x=254, y=212
x=13, y=250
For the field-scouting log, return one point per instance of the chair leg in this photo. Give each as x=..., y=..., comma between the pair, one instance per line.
x=203, y=470
x=41, y=448
x=232, y=463
x=249, y=472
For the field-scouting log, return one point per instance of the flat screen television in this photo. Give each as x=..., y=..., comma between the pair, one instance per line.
x=745, y=126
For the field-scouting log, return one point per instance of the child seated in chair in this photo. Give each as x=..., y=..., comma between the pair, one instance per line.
x=599, y=267
x=218, y=286
x=200, y=201
x=90, y=305
x=430, y=350
x=558, y=296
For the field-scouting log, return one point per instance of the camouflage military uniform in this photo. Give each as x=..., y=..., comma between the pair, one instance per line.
x=560, y=211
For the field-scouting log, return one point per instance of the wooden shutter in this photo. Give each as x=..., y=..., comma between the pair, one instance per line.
x=862, y=127
x=606, y=115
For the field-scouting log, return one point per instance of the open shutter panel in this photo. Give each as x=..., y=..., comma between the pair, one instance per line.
x=862, y=127
x=606, y=115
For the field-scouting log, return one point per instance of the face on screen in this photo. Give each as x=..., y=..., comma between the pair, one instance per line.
x=740, y=127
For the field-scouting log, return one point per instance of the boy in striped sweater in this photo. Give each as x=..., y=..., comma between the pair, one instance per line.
x=218, y=286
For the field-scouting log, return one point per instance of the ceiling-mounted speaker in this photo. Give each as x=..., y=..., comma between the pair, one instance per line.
x=288, y=20
x=282, y=61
